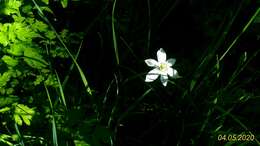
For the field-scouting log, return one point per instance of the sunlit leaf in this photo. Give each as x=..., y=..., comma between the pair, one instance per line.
x=5, y=139
x=80, y=143
x=22, y=114
x=5, y=77
x=45, y=1
x=6, y=109
x=24, y=33
x=26, y=119
x=34, y=59
x=18, y=119
x=15, y=137
x=16, y=49
x=3, y=38
x=10, y=7
x=10, y=60
x=39, y=79
x=64, y=3
x=51, y=81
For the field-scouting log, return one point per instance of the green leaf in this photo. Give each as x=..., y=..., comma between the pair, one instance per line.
x=6, y=109
x=54, y=133
x=80, y=143
x=39, y=79
x=3, y=39
x=64, y=3
x=59, y=52
x=51, y=81
x=16, y=49
x=45, y=1
x=9, y=91
x=50, y=35
x=18, y=29
x=18, y=120
x=10, y=7
x=34, y=59
x=4, y=139
x=5, y=77
x=24, y=33
x=45, y=8
x=26, y=119
x=12, y=28
x=22, y=114
x=19, y=19
x=15, y=137
x=40, y=26
x=27, y=9
x=9, y=60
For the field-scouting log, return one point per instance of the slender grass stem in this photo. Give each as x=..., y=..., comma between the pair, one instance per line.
x=113, y=111
x=19, y=134
x=240, y=69
x=169, y=11
x=128, y=47
x=61, y=90
x=213, y=47
x=54, y=130
x=149, y=27
x=72, y=66
x=239, y=35
x=111, y=118
x=82, y=75
x=131, y=107
x=114, y=33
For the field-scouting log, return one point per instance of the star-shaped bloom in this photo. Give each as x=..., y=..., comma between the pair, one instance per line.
x=162, y=68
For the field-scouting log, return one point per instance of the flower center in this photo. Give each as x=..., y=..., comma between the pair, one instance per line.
x=163, y=67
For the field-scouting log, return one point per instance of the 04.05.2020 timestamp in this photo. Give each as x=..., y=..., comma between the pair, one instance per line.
x=236, y=137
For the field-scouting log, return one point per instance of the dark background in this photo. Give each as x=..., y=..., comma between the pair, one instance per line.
x=188, y=30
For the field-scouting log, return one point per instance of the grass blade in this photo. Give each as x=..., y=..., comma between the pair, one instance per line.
x=134, y=104
x=238, y=36
x=149, y=27
x=82, y=75
x=61, y=90
x=19, y=134
x=72, y=66
x=239, y=70
x=114, y=33
x=54, y=131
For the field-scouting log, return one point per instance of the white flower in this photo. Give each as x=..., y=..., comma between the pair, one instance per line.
x=162, y=68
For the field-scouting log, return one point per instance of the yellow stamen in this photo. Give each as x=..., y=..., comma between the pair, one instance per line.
x=163, y=67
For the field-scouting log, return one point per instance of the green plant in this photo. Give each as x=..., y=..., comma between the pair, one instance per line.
x=28, y=48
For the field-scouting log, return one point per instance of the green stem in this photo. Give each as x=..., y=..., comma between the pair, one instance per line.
x=114, y=33
x=239, y=35
x=82, y=75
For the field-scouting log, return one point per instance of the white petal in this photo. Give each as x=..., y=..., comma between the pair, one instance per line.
x=170, y=71
x=152, y=75
x=175, y=74
x=171, y=61
x=164, y=80
x=161, y=55
x=151, y=62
